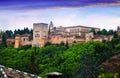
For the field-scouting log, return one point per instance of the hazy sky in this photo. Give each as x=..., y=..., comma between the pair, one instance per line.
x=16, y=14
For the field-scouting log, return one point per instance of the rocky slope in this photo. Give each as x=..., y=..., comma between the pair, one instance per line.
x=112, y=64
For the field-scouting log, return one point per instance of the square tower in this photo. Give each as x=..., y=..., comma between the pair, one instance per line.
x=40, y=33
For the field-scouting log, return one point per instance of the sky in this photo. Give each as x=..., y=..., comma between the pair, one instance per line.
x=17, y=14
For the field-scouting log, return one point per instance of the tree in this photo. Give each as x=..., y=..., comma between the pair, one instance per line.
x=86, y=67
x=93, y=31
x=115, y=34
x=9, y=33
x=99, y=33
x=62, y=43
x=67, y=45
x=105, y=32
x=47, y=43
x=25, y=47
x=4, y=40
x=110, y=32
x=33, y=63
x=23, y=31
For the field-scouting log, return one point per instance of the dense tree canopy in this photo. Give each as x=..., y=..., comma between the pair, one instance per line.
x=10, y=33
x=105, y=32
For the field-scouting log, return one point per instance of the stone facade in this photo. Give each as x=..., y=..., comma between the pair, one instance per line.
x=10, y=41
x=55, y=35
x=21, y=40
x=17, y=41
x=103, y=37
x=77, y=30
x=89, y=36
x=40, y=33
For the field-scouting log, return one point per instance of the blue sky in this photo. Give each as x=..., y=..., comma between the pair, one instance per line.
x=16, y=14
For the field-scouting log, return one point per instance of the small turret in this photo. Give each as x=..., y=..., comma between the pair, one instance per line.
x=118, y=31
x=51, y=25
x=51, y=29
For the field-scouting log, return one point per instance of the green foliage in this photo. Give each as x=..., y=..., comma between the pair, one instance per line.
x=102, y=32
x=62, y=43
x=25, y=47
x=47, y=43
x=86, y=67
x=4, y=40
x=80, y=59
x=93, y=31
x=33, y=63
x=67, y=45
x=23, y=31
x=109, y=75
x=105, y=32
x=9, y=33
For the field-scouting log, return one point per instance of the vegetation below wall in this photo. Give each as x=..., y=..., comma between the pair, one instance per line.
x=79, y=60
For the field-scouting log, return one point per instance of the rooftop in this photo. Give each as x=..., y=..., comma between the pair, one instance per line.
x=54, y=73
x=6, y=72
x=40, y=24
x=81, y=26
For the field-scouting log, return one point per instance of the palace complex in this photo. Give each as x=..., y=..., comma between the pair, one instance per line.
x=43, y=33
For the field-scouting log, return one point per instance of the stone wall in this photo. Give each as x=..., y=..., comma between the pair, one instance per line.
x=40, y=31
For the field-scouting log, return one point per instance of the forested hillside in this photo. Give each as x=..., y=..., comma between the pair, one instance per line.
x=80, y=60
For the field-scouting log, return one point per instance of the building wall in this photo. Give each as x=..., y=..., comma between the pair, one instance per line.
x=10, y=41
x=77, y=30
x=103, y=37
x=62, y=34
x=25, y=41
x=57, y=39
x=17, y=42
x=22, y=40
x=89, y=36
x=40, y=30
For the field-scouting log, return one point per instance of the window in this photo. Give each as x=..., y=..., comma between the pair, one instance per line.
x=37, y=31
x=37, y=35
x=24, y=39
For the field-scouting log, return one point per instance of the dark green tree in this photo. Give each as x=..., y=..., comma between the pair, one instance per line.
x=62, y=43
x=86, y=67
x=67, y=45
x=110, y=32
x=9, y=33
x=47, y=43
x=104, y=32
x=4, y=40
x=33, y=63
x=93, y=31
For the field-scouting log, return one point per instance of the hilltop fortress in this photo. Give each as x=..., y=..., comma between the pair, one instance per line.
x=43, y=33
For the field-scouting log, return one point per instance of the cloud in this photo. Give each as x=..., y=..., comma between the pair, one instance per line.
x=105, y=17
x=47, y=4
